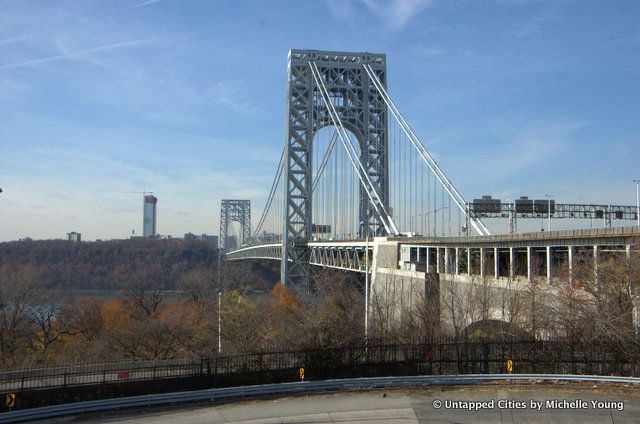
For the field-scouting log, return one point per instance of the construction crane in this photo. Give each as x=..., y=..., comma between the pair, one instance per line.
x=144, y=193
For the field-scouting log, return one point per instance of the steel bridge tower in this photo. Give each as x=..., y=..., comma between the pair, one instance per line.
x=238, y=211
x=362, y=111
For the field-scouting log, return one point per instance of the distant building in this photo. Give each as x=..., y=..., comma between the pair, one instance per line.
x=204, y=237
x=211, y=239
x=149, y=216
x=73, y=236
x=231, y=243
x=268, y=237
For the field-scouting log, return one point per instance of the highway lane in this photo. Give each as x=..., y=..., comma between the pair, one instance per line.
x=510, y=404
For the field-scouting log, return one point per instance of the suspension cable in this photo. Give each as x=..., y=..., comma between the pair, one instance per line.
x=272, y=191
x=325, y=159
x=386, y=219
x=446, y=183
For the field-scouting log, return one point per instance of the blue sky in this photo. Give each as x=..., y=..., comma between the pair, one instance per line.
x=186, y=98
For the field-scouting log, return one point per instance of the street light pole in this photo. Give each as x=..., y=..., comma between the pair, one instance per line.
x=548, y=196
x=637, y=181
x=366, y=291
x=219, y=302
x=425, y=215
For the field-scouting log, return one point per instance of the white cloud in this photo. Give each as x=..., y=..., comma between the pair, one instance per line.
x=397, y=12
x=232, y=95
x=17, y=39
x=424, y=52
x=341, y=9
x=74, y=54
x=141, y=4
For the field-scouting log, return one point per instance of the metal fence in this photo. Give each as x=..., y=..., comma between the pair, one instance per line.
x=46, y=386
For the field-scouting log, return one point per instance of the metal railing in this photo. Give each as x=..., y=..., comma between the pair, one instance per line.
x=45, y=386
x=298, y=388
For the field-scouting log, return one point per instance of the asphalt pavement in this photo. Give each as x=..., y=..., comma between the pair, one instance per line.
x=499, y=404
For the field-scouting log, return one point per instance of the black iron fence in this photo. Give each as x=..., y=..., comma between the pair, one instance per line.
x=47, y=386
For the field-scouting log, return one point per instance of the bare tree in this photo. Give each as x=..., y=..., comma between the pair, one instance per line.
x=243, y=322
x=43, y=312
x=145, y=293
x=611, y=303
x=385, y=307
x=81, y=318
x=201, y=285
x=17, y=287
x=333, y=313
x=423, y=324
x=456, y=306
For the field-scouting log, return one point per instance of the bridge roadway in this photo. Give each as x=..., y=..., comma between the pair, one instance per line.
x=404, y=270
x=509, y=255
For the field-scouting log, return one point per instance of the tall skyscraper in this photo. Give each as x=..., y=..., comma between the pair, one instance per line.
x=149, y=216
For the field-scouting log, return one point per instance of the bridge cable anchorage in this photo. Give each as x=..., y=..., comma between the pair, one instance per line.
x=272, y=191
x=378, y=205
x=422, y=151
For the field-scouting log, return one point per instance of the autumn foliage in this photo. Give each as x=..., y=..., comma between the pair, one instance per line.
x=39, y=326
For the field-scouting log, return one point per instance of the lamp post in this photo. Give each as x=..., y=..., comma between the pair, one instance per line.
x=219, y=302
x=411, y=219
x=637, y=181
x=425, y=214
x=366, y=291
x=548, y=196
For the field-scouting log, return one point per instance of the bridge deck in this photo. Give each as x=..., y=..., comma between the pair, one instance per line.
x=568, y=237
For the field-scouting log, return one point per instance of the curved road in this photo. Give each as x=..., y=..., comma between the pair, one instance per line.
x=503, y=404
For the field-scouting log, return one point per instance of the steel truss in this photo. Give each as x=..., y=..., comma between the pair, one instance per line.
x=347, y=258
x=559, y=210
x=238, y=211
x=344, y=256
x=361, y=110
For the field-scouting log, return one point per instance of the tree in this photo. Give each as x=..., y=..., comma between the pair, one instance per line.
x=386, y=307
x=17, y=287
x=145, y=292
x=333, y=312
x=201, y=285
x=107, y=264
x=285, y=319
x=611, y=312
x=243, y=322
x=44, y=309
x=82, y=318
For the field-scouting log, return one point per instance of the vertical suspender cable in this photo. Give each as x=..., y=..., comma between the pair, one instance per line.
x=429, y=206
x=477, y=224
x=442, y=211
x=377, y=203
x=415, y=191
x=422, y=217
x=449, y=220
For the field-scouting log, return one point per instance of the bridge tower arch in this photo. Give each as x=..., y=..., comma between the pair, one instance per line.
x=235, y=211
x=362, y=110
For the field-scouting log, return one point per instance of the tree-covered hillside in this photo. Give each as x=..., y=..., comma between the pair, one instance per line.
x=114, y=264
